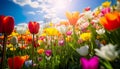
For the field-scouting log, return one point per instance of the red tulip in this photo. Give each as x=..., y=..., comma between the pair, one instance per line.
x=16, y=62
x=33, y=27
x=6, y=24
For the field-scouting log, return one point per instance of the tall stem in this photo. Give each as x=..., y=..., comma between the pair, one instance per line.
x=32, y=50
x=4, y=51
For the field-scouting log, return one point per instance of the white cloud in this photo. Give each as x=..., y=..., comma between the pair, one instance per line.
x=32, y=13
x=23, y=24
x=33, y=4
x=22, y=2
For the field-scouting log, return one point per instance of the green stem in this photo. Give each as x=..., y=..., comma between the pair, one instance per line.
x=32, y=50
x=4, y=52
x=108, y=65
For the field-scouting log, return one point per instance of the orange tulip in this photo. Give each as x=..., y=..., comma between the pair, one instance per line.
x=40, y=51
x=25, y=57
x=73, y=17
x=17, y=61
x=111, y=21
x=33, y=27
x=6, y=24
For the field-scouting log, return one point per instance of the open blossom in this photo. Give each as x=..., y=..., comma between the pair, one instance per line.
x=62, y=29
x=111, y=21
x=92, y=63
x=85, y=36
x=100, y=31
x=72, y=17
x=106, y=4
x=107, y=52
x=51, y=31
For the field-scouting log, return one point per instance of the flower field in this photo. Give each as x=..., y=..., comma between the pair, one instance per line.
x=87, y=40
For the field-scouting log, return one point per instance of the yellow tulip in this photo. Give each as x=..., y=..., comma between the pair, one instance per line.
x=106, y=4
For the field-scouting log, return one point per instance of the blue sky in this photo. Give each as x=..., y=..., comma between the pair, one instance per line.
x=24, y=11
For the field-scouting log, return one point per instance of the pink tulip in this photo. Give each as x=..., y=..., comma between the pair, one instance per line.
x=61, y=42
x=48, y=53
x=89, y=64
x=69, y=33
x=105, y=10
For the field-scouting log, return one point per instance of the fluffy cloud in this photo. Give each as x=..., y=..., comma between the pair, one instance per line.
x=33, y=4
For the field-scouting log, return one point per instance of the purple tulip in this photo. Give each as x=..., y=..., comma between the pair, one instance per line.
x=105, y=11
x=48, y=53
x=90, y=64
x=61, y=42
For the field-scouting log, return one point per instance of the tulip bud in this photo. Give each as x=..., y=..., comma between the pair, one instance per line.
x=14, y=40
x=83, y=51
x=6, y=24
x=69, y=33
x=61, y=42
x=33, y=27
x=48, y=53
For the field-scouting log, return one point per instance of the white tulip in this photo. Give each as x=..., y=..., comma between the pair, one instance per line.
x=107, y=52
x=100, y=31
x=83, y=51
x=14, y=40
x=62, y=29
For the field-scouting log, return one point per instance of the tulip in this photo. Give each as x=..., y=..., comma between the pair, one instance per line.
x=87, y=9
x=69, y=33
x=48, y=53
x=92, y=63
x=83, y=51
x=40, y=51
x=62, y=29
x=105, y=11
x=72, y=17
x=111, y=21
x=33, y=27
x=100, y=31
x=6, y=27
x=16, y=62
x=107, y=52
x=14, y=40
x=6, y=24
x=61, y=42
x=106, y=4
